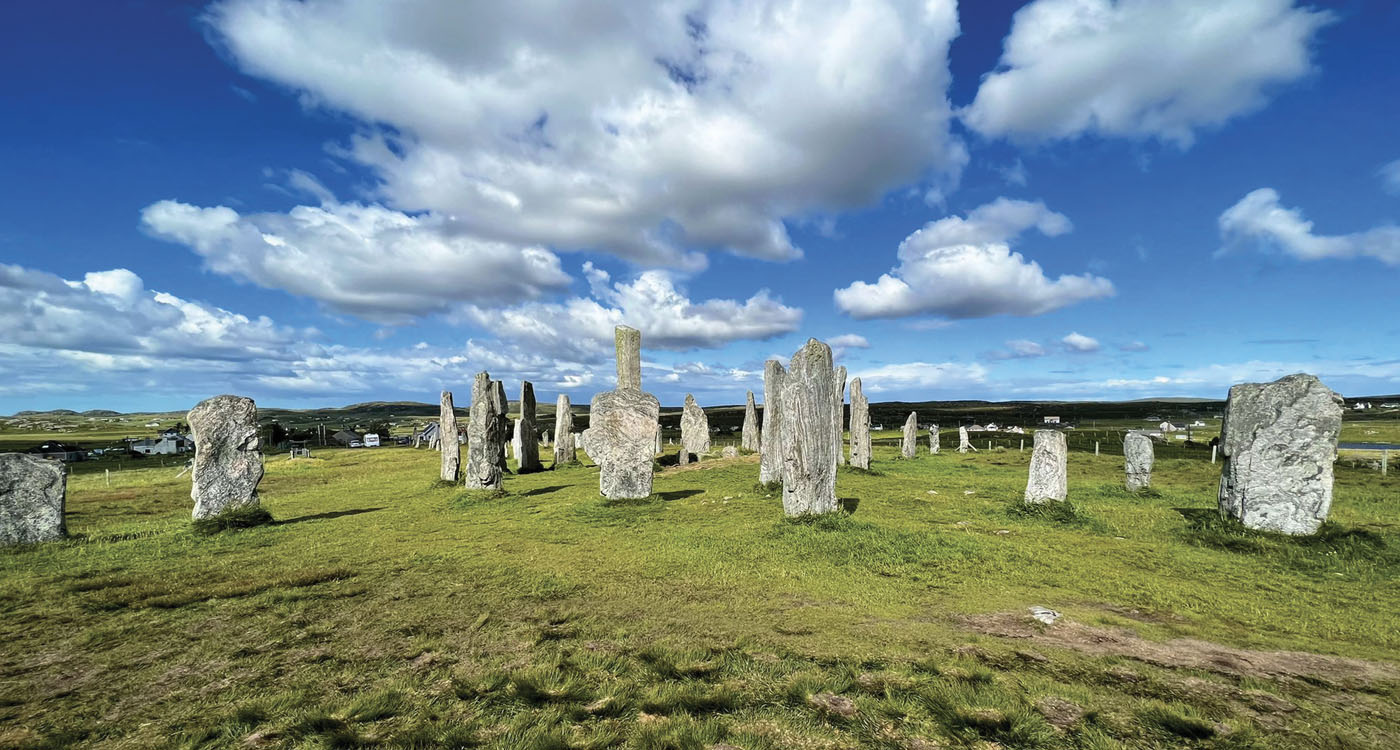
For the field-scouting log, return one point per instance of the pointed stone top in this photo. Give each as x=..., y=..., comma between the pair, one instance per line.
x=750, y=397
x=689, y=400
x=629, y=357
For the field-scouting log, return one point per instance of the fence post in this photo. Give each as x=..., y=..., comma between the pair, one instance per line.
x=1385, y=460
x=108, y=477
x=1096, y=447
x=1213, y=448
x=1023, y=445
x=989, y=445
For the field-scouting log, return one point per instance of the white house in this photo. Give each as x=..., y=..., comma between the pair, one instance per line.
x=1052, y=420
x=165, y=445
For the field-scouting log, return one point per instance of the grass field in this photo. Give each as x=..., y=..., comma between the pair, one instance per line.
x=384, y=609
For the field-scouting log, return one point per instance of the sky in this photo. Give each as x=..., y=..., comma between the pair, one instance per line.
x=323, y=202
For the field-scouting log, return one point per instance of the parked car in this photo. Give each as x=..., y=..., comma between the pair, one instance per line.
x=356, y=444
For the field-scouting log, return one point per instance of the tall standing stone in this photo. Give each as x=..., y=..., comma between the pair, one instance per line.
x=563, y=432
x=809, y=387
x=860, y=427
x=227, y=460
x=770, y=465
x=840, y=414
x=1279, y=441
x=659, y=449
x=909, y=446
x=527, y=455
x=487, y=430
x=33, y=491
x=447, y=439
x=1048, y=478
x=622, y=435
x=695, y=428
x=514, y=445
x=1137, y=461
x=933, y=439
x=963, y=444
x=750, y=439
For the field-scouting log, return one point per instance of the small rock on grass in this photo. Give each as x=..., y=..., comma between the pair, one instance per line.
x=1045, y=615
x=832, y=704
x=1061, y=714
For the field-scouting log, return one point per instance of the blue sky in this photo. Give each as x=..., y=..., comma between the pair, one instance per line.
x=320, y=202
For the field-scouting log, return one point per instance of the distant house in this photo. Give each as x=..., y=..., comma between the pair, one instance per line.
x=427, y=435
x=168, y=444
x=346, y=437
x=991, y=427
x=1362, y=405
x=1198, y=423
x=977, y=428
x=57, y=451
x=1172, y=427
x=1052, y=420
x=153, y=423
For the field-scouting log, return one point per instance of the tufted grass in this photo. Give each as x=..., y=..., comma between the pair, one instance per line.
x=384, y=609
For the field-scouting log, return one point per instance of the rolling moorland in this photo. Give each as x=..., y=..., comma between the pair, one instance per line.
x=385, y=609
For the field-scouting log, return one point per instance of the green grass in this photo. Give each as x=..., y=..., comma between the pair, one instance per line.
x=383, y=609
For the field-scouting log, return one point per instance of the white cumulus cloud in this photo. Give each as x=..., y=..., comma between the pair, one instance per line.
x=1390, y=177
x=366, y=260
x=1260, y=219
x=1141, y=68
x=651, y=131
x=1078, y=342
x=913, y=377
x=964, y=268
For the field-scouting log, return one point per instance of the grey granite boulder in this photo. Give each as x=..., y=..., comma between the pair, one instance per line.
x=933, y=439
x=729, y=452
x=750, y=439
x=695, y=428
x=563, y=432
x=527, y=453
x=1048, y=478
x=1279, y=441
x=1137, y=461
x=227, y=459
x=909, y=445
x=622, y=435
x=860, y=427
x=33, y=491
x=964, y=445
x=809, y=388
x=487, y=431
x=447, y=439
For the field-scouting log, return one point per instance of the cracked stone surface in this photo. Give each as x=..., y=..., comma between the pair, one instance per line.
x=33, y=491
x=227, y=455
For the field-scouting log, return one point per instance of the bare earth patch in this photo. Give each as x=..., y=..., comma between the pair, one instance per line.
x=1187, y=653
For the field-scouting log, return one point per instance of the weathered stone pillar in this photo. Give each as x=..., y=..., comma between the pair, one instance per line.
x=447, y=439
x=695, y=428
x=1048, y=478
x=527, y=456
x=933, y=439
x=622, y=435
x=860, y=427
x=964, y=445
x=840, y=414
x=563, y=432
x=909, y=445
x=770, y=466
x=227, y=459
x=33, y=492
x=1279, y=441
x=809, y=388
x=487, y=431
x=750, y=439
x=1137, y=461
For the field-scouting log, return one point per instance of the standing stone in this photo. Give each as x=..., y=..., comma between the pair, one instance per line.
x=729, y=452
x=963, y=444
x=544, y=439
x=695, y=428
x=1137, y=460
x=581, y=440
x=860, y=427
x=750, y=439
x=659, y=449
x=527, y=453
x=563, y=432
x=683, y=457
x=1279, y=441
x=447, y=439
x=809, y=388
x=487, y=430
x=513, y=447
x=1048, y=477
x=623, y=439
x=227, y=462
x=770, y=465
x=933, y=439
x=840, y=414
x=909, y=446
x=33, y=491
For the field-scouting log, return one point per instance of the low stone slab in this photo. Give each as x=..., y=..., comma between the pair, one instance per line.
x=33, y=491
